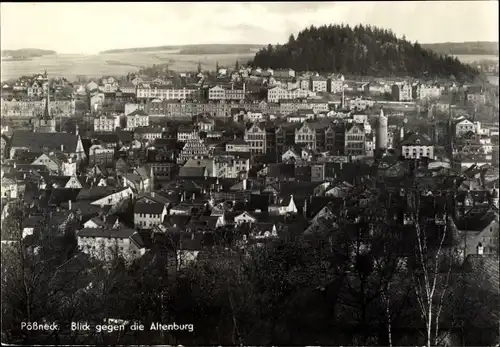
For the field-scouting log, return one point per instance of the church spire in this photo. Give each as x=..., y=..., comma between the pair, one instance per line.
x=46, y=111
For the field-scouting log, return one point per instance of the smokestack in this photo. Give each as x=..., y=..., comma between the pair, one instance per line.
x=69, y=205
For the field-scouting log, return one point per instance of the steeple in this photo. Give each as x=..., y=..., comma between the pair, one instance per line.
x=46, y=111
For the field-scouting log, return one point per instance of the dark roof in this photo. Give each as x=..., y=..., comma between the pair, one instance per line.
x=98, y=232
x=148, y=207
x=137, y=113
x=192, y=171
x=39, y=141
x=238, y=142
x=61, y=195
x=414, y=138
x=281, y=170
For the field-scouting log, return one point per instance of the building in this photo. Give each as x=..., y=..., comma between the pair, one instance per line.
x=354, y=139
x=187, y=132
x=428, y=92
x=256, y=138
x=148, y=133
x=137, y=119
x=416, y=146
x=45, y=123
x=402, y=91
x=217, y=93
x=479, y=99
x=149, y=213
x=360, y=104
x=238, y=145
x=106, y=123
x=193, y=148
x=104, y=244
x=319, y=84
x=464, y=126
x=70, y=145
x=146, y=91
x=381, y=140
x=206, y=125
x=276, y=94
x=336, y=84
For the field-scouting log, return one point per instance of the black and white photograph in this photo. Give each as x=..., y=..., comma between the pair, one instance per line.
x=250, y=173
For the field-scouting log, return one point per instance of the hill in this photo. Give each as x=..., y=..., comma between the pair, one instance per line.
x=359, y=51
x=464, y=48
x=193, y=49
x=27, y=53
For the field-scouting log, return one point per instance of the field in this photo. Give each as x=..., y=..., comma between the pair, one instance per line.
x=470, y=58
x=112, y=64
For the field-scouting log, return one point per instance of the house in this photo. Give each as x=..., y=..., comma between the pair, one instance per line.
x=148, y=133
x=416, y=146
x=186, y=132
x=106, y=123
x=217, y=93
x=9, y=188
x=206, y=125
x=139, y=181
x=255, y=136
x=149, y=213
x=57, y=163
x=51, y=182
x=481, y=232
x=245, y=218
x=284, y=206
x=114, y=197
x=137, y=118
x=464, y=126
x=238, y=145
x=70, y=145
x=402, y=91
x=354, y=139
x=319, y=84
x=105, y=244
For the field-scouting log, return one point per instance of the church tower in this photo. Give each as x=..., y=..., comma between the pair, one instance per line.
x=45, y=122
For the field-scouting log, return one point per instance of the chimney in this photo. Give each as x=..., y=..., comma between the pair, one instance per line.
x=62, y=148
x=245, y=184
x=192, y=236
x=480, y=249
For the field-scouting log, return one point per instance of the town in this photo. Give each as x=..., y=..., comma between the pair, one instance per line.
x=135, y=188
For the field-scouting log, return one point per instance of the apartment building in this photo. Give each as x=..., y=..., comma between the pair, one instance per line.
x=107, y=123
x=416, y=146
x=137, y=119
x=319, y=84
x=256, y=137
x=355, y=139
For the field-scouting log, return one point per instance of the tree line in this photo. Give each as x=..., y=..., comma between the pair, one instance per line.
x=362, y=50
x=367, y=282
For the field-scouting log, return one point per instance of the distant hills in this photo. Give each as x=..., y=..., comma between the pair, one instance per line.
x=361, y=50
x=26, y=53
x=464, y=48
x=193, y=49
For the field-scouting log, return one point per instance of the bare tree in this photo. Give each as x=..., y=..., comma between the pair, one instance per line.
x=430, y=260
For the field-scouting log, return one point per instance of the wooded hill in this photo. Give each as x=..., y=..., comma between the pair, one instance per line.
x=362, y=50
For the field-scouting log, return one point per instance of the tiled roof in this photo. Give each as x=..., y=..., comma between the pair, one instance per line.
x=149, y=207
x=114, y=233
x=38, y=141
x=192, y=171
x=414, y=138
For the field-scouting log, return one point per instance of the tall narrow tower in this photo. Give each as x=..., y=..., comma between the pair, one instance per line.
x=45, y=122
x=381, y=135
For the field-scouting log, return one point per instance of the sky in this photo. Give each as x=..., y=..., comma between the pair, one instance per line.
x=93, y=27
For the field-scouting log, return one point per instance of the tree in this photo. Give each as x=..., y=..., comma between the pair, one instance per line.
x=430, y=260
